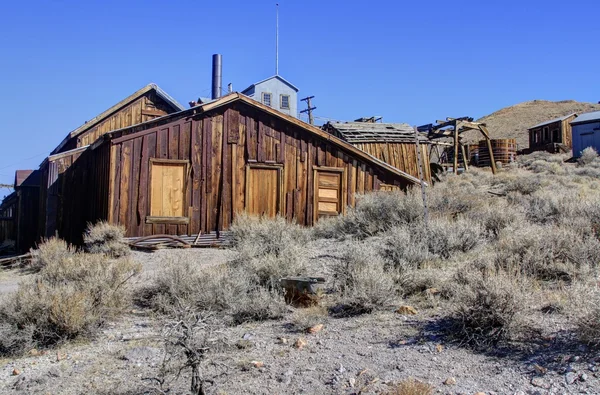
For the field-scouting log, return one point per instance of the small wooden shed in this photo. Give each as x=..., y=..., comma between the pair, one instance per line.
x=146, y=104
x=190, y=172
x=553, y=136
x=393, y=143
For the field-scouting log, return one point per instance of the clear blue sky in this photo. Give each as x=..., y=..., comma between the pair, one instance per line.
x=63, y=62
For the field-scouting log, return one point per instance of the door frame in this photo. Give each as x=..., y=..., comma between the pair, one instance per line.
x=280, y=192
x=343, y=197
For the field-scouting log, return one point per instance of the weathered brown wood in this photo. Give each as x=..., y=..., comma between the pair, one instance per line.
x=124, y=188
x=167, y=220
x=197, y=162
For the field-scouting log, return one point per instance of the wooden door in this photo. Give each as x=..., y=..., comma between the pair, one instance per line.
x=263, y=190
x=329, y=188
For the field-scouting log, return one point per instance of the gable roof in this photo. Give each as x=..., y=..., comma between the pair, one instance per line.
x=27, y=178
x=280, y=78
x=102, y=116
x=587, y=117
x=238, y=97
x=369, y=132
x=553, y=120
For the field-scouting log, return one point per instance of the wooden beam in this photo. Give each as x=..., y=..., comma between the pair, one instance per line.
x=464, y=154
x=455, y=151
x=486, y=134
x=154, y=113
x=168, y=220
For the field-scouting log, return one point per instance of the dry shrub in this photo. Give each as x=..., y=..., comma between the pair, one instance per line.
x=269, y=248
x=411, y=247
x=71, y=295
x=104, y=238
x=588, y=156
x=50, y=251
x=411, y=386
x=496, y=216
x=363, y=280
x=232, y=292
x=547, y=252
x=305, y=318
x=374, y=213
x=485, y=308
x=586, y=314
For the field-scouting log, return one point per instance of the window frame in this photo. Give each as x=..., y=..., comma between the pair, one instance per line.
x=546, y=133
x=281, y=96
x=155, y=219
x=262, y=98
x=343, y=196
x=281, y=192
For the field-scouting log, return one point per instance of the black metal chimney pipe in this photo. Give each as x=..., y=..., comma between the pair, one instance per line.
x=216, y=75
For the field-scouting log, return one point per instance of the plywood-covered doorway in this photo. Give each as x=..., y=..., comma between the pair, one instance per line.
x=330, y=199
x=263, y=190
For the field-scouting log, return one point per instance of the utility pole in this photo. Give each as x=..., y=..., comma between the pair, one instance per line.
x=309, y=109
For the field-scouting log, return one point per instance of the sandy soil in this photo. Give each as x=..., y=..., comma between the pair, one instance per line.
x=359, y=355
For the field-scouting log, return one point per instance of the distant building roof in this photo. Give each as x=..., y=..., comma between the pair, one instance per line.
x=27, y=178
x=587, y=117
x=369, y=132
x=99, y=118
x=552, y=121
x=270, y=78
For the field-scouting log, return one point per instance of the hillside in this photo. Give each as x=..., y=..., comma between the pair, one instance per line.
x=513, y=121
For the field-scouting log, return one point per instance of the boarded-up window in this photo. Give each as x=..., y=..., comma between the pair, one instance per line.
x=263, y=190
x=329, y=192
x=389, y=188
x=167, y=188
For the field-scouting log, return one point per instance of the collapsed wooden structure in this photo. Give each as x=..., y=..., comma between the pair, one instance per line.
x=393, y=143
x=453, y=128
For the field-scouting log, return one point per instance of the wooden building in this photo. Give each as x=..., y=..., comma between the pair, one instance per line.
x=393, y=143
x=20, y=210
x=146, y=104
x=553, y=136
x=190, y=172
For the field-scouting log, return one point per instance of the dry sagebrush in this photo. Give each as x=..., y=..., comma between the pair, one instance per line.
x=103, y=238
x=72, y=295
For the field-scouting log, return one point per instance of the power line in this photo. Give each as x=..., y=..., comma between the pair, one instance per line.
x=21, y=161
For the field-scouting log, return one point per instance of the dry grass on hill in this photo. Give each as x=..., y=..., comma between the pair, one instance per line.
x=513, y=121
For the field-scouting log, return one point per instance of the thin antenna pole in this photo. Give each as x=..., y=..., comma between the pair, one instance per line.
x=276, y=38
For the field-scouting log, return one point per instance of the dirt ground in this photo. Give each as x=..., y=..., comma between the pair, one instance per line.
x=359, y=355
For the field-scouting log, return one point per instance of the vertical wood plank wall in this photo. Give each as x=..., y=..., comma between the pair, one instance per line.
x=402, y=156
x=218, y=146
x=141, y=110
x=83, y=193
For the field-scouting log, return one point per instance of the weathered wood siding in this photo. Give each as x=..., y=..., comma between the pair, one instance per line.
x=402, y=156
x=53, y=188
x=220, y=147
x=8, y=214
x=144, y=109
x=544, y=137
x=27, y=217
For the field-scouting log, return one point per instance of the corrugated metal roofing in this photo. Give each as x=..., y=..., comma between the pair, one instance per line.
x=553, y=120
x=587, y=117
x=365, y=132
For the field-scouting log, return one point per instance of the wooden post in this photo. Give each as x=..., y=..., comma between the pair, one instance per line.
x=420, y=168
x=485, y=133
x=464, y=154
x=455, y=148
